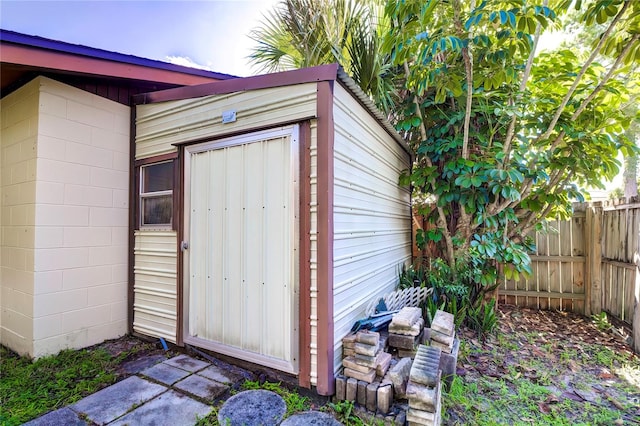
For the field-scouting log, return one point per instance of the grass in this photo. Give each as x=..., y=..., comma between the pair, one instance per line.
x=294, y=401
x=29, y=389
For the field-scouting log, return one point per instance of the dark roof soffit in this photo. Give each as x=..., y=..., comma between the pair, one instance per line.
x=7, y=36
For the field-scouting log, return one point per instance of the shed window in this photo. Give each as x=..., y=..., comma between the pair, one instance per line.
x=156, y=195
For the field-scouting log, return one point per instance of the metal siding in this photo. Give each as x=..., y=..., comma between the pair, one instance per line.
x=155, y=273
x=159, y=125
x=372, y=221
x=243, y=258
x=313, y=258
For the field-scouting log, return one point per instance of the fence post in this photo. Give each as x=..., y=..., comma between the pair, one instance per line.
x=636, y=308
x=593, y=274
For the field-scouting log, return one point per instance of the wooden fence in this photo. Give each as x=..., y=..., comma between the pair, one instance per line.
x=585, y=264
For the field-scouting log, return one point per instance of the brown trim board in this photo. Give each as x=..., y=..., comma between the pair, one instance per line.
x=286, y=78
x=74, y=64
x=178, y=220
x=156, y=159
x=304, y=258
x=326, y=380
x=132, y=218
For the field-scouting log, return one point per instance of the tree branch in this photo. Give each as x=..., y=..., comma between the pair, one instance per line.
x=582, y=72
x=523, y=85
x=442, y=218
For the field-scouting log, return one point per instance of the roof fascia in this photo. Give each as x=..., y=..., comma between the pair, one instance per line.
x=8, y=38
x=286, y=78
x=56, y=61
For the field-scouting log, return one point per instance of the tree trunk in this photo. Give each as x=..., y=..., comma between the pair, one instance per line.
x=630, y=176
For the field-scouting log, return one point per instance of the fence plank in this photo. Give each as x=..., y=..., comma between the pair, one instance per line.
x=543, y=271
x=629, y=295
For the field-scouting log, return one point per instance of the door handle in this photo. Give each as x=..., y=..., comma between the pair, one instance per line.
x=184, y=245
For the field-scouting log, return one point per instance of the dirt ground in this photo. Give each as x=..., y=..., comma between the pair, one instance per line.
x=546, y=367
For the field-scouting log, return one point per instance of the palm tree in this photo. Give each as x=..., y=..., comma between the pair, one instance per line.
x=303, y=33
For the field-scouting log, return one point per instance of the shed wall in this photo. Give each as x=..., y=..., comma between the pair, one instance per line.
x=162, y=124
x=155, y=283
x=372, y=217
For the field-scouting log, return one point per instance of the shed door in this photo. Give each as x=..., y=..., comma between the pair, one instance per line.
x=241, y=264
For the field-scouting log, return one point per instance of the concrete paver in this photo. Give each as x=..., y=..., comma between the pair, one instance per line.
x=253, y=408
x=136, y=366
x=110, y=403
x=187, y=363
x=218, y=374
x=170, y=408
x=201, y=387
x=64, y=416
x=164, y=373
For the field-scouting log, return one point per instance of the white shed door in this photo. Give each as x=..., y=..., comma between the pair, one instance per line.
x=241, y=264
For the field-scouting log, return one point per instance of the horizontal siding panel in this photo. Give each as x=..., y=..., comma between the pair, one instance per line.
x=155, y=284
x=162, y=124
x=371, y=217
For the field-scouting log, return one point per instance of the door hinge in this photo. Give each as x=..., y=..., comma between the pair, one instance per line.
x=184, y=245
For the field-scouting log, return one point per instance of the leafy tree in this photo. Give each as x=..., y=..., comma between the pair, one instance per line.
x=303, y=33
x=585, y=37
x=505, y=137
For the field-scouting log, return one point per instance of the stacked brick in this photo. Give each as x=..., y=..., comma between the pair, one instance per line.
x=405, y=331
x=424, y=387
x=365, y=358
x=442, y=335
x=365, y=363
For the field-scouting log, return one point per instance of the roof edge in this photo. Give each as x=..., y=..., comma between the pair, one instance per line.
x=368, y=104
x=284, y=78
x=8, y=36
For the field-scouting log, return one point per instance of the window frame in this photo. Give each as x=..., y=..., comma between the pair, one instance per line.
x=141, y=195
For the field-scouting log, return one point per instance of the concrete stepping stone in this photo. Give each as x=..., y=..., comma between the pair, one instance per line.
x=201, y=387
x=253, y=408
x=170, y=408
x=187, y=363
x=64, y=416
x=311, y=418
x=218, y=374
x=166, y=374
x=110, y=403
x=137, y=365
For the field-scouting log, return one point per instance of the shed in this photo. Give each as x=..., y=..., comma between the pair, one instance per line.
x=267, y=215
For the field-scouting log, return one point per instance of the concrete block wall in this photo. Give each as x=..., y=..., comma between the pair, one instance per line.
x=80, y=219
x=18, y=139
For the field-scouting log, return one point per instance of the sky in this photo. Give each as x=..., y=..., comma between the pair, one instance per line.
x=211, y=34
